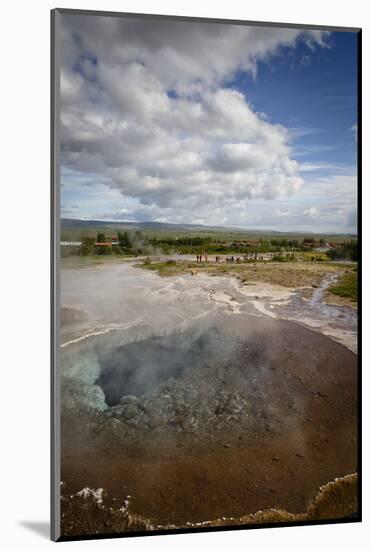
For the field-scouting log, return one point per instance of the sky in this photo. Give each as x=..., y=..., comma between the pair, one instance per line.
x=205, y=123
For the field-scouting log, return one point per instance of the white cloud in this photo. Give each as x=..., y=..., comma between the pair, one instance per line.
x=311, y=213
x=179, y=54
x=281, y=213
x=312, y=166
x=354, y=129
x=146, y=107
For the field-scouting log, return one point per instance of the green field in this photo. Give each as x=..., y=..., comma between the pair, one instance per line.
x=347, y=286
x=154, y=239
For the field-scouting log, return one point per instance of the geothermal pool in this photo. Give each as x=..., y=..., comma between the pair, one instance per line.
x=184, y=403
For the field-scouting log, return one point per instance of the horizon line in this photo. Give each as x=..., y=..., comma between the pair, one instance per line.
x=299, y=231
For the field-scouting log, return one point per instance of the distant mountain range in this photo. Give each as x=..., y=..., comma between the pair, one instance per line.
x=71, y=223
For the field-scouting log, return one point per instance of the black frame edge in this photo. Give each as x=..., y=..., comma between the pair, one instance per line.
x=54, y=284
x=52, y=247
x=169, y=17
x=359, y=297
x=224, y=528
x=54, y=287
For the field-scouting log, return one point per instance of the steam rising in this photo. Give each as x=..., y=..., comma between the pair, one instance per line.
x=138, y=367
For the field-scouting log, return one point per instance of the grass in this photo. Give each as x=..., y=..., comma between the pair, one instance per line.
x=308, y=256
x=288, y=274
x=346, y=287
x=168, y=268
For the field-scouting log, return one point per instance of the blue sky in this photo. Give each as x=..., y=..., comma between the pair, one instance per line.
x=220, y=125
x=315, y=91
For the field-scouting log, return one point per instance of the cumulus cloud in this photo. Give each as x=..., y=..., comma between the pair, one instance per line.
x=278, y=213
x=325, y=204
x=354, y=129
x=311, y=212
x=147, y=107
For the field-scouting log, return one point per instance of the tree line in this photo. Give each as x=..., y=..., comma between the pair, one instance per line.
x=135, y=243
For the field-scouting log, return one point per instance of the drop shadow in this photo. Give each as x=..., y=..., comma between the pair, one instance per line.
x=41, y=528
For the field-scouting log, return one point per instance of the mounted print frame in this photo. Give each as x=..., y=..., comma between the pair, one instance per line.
x=206, y=274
